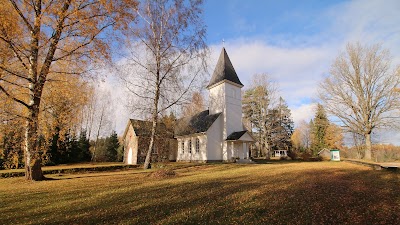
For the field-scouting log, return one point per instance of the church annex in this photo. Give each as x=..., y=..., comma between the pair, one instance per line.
x=216, y=134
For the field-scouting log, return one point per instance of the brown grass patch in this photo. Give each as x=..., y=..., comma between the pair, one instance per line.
x=163, y=173
x=280, y=193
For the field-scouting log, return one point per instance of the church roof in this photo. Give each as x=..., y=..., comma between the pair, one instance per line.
x=198, y=123
x=224, y=71
x=143, y=128
x=236, y=135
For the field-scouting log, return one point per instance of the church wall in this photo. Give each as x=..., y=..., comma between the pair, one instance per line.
x=216, y=99
x=215, y=140
x=186, y=155
x=161, y=150
x=233, y=111
x=130, y=142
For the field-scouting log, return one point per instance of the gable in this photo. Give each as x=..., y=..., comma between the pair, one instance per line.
x=246, y=137
x=240, y=136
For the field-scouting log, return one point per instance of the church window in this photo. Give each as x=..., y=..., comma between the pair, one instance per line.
x=183, y=146
x=190, y=146
x=197, y=145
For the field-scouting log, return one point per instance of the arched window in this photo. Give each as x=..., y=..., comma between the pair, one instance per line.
x=183, y=146
x=190, y=146
x=197, y=145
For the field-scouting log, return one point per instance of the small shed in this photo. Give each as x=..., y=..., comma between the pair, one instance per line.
x=325, y=154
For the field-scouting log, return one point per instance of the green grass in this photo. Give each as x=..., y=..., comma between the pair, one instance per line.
x=281, y=193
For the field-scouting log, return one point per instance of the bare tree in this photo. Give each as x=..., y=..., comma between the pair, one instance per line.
x=301, y=137
x=195, y=106
x=166, y=51
x=258, y=100
x=100, y=119
x=38, y=38
x=360, y=90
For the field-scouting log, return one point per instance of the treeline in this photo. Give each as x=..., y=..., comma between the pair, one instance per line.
x=59, y=149
x=318, y=134
x=380, y=152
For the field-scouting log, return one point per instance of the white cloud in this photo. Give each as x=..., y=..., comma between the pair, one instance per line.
x=303, y=113
x=298, y=63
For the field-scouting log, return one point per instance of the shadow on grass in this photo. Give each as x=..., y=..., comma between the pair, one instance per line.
x=242, y=195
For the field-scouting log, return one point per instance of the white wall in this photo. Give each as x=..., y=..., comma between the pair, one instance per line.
x=131, y=142
x=193, y=156
x=217, y=99
x=227, y=98
x=215, y=140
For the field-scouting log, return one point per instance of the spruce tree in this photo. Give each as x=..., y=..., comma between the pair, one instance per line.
x=112, y=145
x=318, y=129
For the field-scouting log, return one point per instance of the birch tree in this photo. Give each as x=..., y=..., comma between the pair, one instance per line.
x=41, y=37
x=361, y=91
x=166, y=55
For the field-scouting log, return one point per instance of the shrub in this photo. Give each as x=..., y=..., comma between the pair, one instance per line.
x=305, y=156
x=292, y=155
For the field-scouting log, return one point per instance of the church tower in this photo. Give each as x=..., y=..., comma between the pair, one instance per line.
x=225, y=95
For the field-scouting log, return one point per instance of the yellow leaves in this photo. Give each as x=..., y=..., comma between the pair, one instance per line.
x=334, y=136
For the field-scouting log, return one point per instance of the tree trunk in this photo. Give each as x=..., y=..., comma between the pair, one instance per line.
x=368, y=145
x=152, y=140
x=154, y=127
x=33, y=167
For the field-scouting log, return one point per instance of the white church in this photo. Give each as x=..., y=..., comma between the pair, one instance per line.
x=216, y=134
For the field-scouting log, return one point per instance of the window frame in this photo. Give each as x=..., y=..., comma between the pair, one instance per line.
x=183, y=147
x=190, y=146
x=197, y=145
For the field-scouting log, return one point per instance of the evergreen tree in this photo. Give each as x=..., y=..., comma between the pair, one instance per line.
x=112, y=145
x=319, y=128
x=83, y=145
x=281, y=126
x=107, y=148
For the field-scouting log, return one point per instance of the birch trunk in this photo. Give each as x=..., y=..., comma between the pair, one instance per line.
x=368, y=147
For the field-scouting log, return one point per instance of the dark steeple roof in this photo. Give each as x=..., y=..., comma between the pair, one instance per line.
x=198, y=123
x=224, y=71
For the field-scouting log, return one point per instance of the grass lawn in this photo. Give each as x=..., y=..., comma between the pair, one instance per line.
x=281, y=193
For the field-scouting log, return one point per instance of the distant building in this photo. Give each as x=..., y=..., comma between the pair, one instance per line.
x=218, y=133
x=325, y=154
x=137, y=139
x=279, y=153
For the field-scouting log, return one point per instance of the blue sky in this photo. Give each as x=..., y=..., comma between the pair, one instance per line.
x=295, y=42
x=264, y=19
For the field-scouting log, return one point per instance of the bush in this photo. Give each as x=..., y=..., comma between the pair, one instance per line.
x=292, y=155
x=305, y=156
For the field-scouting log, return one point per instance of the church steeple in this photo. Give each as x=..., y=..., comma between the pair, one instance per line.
x=224, y=71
